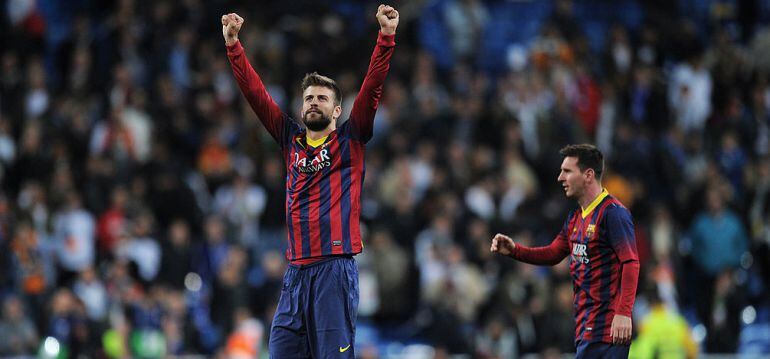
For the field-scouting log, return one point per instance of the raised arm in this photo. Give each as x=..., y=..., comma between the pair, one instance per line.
x=362, y=114
x=250, y=83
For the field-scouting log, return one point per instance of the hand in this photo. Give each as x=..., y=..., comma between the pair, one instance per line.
x=387, y=16
x=620, y=331
x=502, y=244
x=231, y=25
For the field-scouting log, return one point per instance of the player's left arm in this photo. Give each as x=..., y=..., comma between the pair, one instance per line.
x=365, y=105
x=620, y=234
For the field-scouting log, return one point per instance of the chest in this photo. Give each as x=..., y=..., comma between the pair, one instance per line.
x=305, y=160
x=586, y=239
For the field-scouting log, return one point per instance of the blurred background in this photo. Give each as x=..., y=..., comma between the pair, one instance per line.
x=141, y=212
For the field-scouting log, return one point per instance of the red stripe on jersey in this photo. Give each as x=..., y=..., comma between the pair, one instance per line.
x=335, y=215
x=607, y=337
x=580, y=300
x=356, y=182
x=314, y=204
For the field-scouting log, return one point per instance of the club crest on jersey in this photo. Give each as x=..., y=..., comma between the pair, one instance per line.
x=317, y=163
x=580, y=253
x=590, y=230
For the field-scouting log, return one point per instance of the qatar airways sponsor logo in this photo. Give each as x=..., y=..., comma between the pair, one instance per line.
x=317, y=163
x=580, y=253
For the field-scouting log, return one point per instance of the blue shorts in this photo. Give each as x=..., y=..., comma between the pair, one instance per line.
x=316, y=314
x=601, y=350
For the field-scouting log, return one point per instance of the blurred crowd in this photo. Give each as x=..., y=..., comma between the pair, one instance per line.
x=142, y=204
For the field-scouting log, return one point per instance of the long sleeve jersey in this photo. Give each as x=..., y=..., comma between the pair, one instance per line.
x=603, y=261
x=323, y=183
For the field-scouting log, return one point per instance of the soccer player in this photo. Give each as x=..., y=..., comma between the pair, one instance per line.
x=599, y=238
x=316, y=313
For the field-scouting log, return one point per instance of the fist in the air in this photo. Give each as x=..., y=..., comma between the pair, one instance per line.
x=387, y=16
x=231, y=25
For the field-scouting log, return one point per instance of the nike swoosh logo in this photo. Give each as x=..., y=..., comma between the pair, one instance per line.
x=342, y=350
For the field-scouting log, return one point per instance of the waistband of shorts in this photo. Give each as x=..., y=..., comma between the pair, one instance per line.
x=321, y=260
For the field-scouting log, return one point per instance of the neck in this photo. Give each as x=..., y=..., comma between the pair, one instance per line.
x=315, y=135
x=592, y=191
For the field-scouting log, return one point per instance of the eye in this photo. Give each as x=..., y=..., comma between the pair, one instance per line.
x=308, y=98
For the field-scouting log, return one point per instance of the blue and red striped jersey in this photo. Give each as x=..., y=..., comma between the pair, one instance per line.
x=323, y=183
x=603, y=261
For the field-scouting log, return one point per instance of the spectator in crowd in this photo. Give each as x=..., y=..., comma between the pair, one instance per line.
x=18, y=332
x=74, y=238
x=663, y=332
x=718, y=236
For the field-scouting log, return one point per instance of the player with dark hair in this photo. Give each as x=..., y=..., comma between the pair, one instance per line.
x=316, y=313
x=599, y=238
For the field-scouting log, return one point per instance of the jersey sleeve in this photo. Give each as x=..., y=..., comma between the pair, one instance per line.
x=365, y=105
x=547, y=255
x=620, y=234
x=278, y=124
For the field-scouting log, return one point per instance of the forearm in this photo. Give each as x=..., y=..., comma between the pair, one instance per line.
x=370, y=93
x=629, y=277
x=620, y=233
x=379, y=64
x=253, y=89
x=551, y=254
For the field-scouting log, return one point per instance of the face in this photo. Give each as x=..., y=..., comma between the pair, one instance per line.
x=714, y=200
x=571, y=178
x=318, y=108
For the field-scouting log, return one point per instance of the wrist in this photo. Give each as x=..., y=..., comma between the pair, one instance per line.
x=387, y=31
x=231, y=41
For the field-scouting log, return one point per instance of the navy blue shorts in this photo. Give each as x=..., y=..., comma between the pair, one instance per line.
x=601, y=350
x=316, y=315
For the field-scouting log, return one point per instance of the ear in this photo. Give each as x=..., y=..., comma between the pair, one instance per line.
x=337, y=112
x=590, y=173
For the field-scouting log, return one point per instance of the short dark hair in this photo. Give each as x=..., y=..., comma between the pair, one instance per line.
x=588, y=157
x=314, y=79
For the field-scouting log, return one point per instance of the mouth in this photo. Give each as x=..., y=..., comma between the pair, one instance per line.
x=313, y=111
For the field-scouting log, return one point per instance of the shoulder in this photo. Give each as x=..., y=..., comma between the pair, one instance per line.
x=344, y=125
x=614, y=207
x=573, y=213
x=616, y=211
x=292, y=124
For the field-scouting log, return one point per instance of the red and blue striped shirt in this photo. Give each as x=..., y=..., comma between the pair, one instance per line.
x=323, y=183
x=604, y=264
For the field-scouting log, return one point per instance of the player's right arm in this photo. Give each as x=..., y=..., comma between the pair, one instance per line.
x=551, y=254
x=250, y=83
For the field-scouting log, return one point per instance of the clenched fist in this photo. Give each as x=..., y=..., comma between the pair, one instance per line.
x=231, y=25
x=502, y=244
x=387, y=16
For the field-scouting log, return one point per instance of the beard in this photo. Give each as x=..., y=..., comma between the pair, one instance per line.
x=320, y=122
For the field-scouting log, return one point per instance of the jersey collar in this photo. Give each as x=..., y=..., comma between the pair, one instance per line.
x=596, y=201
